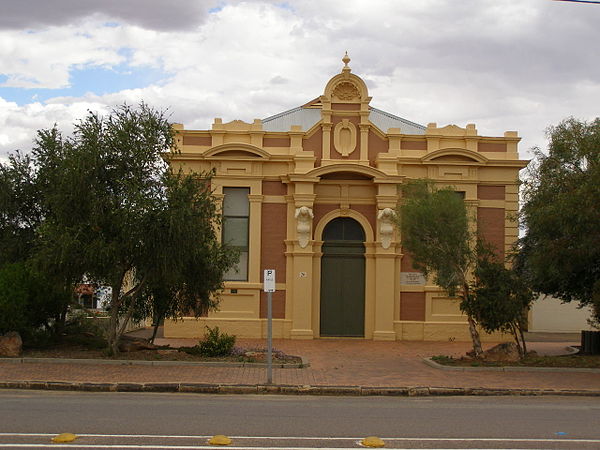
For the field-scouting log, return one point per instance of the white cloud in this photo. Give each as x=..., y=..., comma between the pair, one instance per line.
x=502, y=64
x=151, y=14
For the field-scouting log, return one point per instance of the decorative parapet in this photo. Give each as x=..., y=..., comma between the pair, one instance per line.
x=237, y=125
x=451, y=130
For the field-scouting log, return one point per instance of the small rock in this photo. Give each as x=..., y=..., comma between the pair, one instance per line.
x=134, y=345
x=11, y=344
x=504, y=352
x=256, y=356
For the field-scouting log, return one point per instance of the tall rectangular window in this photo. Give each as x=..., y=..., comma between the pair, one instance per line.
x=236, y=222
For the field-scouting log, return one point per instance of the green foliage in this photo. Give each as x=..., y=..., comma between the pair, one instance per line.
x=14, y=298
x=435, y=229
x=190, y=262
x=501, y=298
x=79, y=330
x=103, y=204
x=560, y=254
x=20, y=212
x=28, y=301
x=216, y=343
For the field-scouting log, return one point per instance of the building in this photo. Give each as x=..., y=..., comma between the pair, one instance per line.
x=550, y=315
x=311, y=193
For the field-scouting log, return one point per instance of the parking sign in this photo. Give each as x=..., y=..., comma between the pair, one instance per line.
x=269, y=280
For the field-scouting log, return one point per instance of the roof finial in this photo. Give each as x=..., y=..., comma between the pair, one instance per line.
x=346, y=60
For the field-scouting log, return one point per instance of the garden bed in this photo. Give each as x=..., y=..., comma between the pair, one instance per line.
x=87, y=346
x=569, y=361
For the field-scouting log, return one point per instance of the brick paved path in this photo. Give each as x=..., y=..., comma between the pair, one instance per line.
x=333, y=362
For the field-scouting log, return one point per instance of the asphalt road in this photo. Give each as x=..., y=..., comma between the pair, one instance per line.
x=28, y=419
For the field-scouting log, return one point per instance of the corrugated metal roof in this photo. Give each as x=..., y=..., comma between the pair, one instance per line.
x=307, y=117
x=384, y=121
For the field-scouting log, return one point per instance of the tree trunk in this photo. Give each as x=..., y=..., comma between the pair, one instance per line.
x=127, y=316
x=477, y=350
x=157, y=321
x=514, y=329
x=113, y=323
x=133, y=294
x=475, y=338
x=520, y=325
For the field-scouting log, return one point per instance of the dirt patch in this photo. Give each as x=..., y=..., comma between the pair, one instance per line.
x=160, y=354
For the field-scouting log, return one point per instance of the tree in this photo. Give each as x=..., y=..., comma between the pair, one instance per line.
x=560, y=253
x=186, y=289
x=20, y=213
x=501, y=298
x=29, y=301
x=113, y=210
x=29, y=298
x=435, y=230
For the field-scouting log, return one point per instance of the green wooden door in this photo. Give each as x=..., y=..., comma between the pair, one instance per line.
x=343, y=279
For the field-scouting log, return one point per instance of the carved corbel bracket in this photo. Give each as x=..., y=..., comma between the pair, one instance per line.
x=304, y=216
x=386, y=218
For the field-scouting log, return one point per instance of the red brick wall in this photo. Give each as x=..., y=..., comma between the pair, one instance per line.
x=273, y=235
x=319, y=210
x=278, y=303
x=314, y=144
x=272, y=255
x=377, y=145
x=276, y=142
x=412, y=306
x=490, y=226
x=197, y=140
x=492, y=147
x=345, y=106
x=369, y=211
x=414, y=145
x=406, y=263
x=490, y=192
x=274, y=188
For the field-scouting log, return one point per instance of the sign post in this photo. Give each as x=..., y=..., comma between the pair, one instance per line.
x=269, y=288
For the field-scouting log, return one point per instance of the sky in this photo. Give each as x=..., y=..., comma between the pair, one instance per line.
x=502, y=64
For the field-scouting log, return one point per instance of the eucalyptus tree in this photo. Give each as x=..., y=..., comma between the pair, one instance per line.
x=435, y=230
x=560, y=252
x=116, y=213
x=435, y=227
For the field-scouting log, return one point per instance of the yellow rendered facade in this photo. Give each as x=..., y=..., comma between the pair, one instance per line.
x=337, y=157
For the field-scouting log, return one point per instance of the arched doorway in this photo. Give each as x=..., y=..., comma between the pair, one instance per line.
x=343, y=279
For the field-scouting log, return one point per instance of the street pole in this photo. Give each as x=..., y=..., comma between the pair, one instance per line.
x=269, y=288
x=269, y=338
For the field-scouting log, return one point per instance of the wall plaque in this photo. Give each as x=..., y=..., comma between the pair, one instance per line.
x=412, y=278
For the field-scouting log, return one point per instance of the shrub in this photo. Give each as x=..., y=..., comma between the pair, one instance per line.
x=216, y=343
x=14, y=297
x=28, y=301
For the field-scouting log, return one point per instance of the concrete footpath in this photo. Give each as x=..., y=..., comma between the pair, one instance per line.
x=337, y=367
